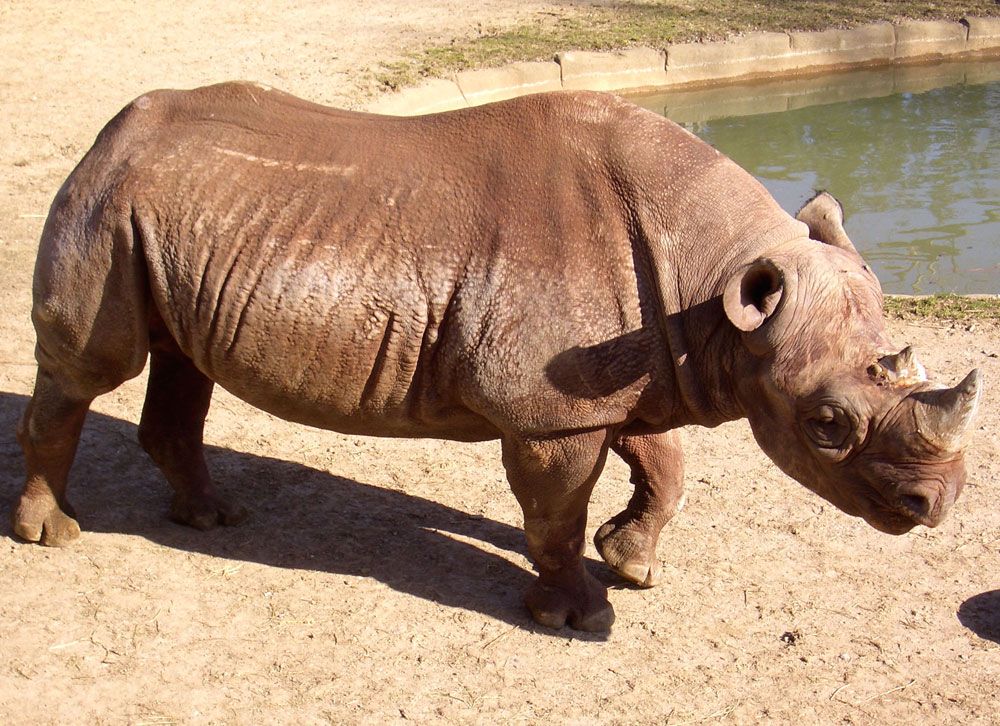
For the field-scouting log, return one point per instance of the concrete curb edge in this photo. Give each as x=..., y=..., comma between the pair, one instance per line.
x=690, y=64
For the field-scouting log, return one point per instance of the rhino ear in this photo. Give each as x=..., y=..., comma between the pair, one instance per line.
x=753, y=294
x=824, y=216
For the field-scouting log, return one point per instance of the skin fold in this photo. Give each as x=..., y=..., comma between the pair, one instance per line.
x=564, y=272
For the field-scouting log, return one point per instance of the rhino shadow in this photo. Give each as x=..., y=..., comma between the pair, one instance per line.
x=607, y=367
x=601, y=369
x=301, y=518
x=981, y=615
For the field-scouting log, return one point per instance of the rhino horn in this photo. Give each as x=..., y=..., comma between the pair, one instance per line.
x=905, y=358
x=944, y=415
x=824, y=216
x=899, y=369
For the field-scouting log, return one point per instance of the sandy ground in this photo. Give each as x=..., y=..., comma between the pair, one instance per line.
x=381, y=580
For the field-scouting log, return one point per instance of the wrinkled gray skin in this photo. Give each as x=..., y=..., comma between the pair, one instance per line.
x=564, y=272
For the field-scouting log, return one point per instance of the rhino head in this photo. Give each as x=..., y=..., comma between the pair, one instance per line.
x=860, y=426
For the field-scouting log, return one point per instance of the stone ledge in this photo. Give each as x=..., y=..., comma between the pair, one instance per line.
x=867, y=44
x=518, y=79
x=921, y=38
x=686, y=64
x=438, y=94
x=594, y=71
x=746, y=55
x=983, y=33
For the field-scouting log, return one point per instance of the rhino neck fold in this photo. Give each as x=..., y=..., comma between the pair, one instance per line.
x=694, y=398
x=704, y=348
x=692, y=404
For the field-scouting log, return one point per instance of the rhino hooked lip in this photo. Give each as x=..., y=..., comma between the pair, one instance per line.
x=891, y=522
x=912, y=506
x=880, y=514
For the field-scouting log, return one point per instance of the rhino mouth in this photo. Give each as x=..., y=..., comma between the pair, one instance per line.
x=884, y=516
x=891, y=522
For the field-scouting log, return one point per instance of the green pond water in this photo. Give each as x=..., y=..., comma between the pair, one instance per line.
x=912, y=152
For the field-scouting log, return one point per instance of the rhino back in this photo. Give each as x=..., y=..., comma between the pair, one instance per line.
x=392, y=276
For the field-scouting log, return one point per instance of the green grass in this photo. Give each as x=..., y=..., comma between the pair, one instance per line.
x=943, y=306
x=655, y=23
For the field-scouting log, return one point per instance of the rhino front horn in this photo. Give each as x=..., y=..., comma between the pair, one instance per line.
x=944, y=415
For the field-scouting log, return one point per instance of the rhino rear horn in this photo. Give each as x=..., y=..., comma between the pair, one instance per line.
x=899, y=369
x=944, y=415
x=824, y=216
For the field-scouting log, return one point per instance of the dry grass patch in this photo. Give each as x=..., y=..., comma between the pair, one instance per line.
x=944, y=306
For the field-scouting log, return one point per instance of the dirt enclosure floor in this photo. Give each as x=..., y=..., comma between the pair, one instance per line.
x=380, y=580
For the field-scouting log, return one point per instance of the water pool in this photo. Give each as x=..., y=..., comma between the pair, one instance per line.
x=912, y=152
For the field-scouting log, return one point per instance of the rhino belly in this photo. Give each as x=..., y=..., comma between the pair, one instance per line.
x=307, y=335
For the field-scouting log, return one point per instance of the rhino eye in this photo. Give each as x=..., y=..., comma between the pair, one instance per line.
x=828, y=427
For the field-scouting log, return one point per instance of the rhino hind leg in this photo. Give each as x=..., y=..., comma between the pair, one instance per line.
x=552, y=480
x=627, y=541
x=171, y=430
x=48, y=432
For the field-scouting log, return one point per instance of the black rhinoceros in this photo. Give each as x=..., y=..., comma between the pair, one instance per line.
x=565, y=272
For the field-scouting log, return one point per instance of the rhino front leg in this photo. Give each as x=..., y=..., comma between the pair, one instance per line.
x=628, y=540
x=552, y=479
x=48, y=433
x=173, y=422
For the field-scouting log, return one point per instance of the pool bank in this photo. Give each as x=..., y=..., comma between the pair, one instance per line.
x=745, y=57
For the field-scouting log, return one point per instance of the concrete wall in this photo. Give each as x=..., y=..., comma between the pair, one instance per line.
x=688, y=64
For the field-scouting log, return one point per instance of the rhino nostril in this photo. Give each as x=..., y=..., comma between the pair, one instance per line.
x=916, y=504
x=920, y=506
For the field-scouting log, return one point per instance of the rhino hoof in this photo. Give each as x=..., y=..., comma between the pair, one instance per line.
x=205, y=512
x=554, y=607
x=629, y=553
x=43, y=520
